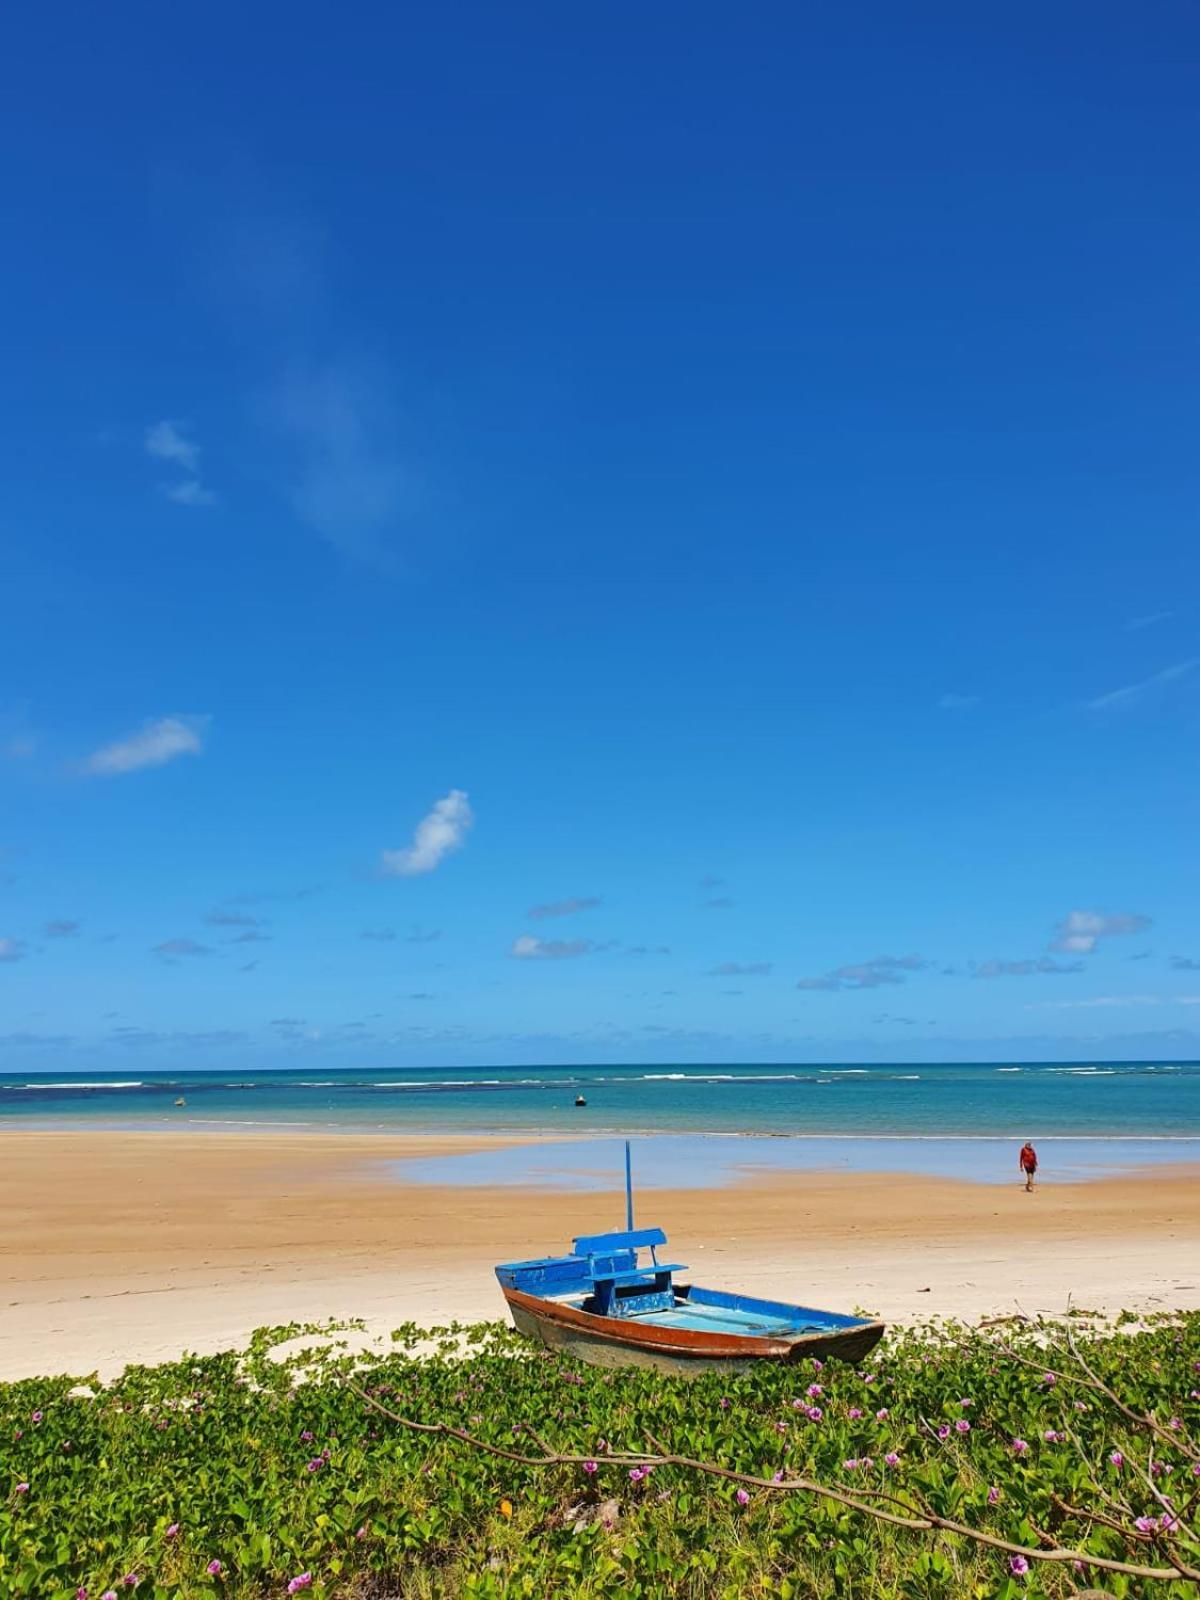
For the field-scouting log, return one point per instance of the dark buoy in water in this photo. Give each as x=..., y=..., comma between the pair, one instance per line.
x=579, y=1100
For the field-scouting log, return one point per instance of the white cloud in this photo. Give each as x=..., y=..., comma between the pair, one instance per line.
x=527, y=948
x=1079, y=931
x=957, y=702
x=436, y=835
x=738, y=969
x=166, y=441
x=1120, y=699
x=156, y=742
x=12, y=949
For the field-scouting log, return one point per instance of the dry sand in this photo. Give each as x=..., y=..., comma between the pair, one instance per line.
x=137, y=1246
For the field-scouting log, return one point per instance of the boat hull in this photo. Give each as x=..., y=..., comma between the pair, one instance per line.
x=624, y=1342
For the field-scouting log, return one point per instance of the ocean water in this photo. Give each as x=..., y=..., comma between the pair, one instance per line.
x=1147, y=1101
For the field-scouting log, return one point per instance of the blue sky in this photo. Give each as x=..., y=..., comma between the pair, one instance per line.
x=734, y=476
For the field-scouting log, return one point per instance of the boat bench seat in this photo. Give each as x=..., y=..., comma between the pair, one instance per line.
x=640, y=1274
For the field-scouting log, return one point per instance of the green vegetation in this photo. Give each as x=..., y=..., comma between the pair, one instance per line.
x=251, y=1475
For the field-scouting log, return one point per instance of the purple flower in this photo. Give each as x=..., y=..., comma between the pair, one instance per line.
x=22, y=1488
x=742, y=1498
x=869, y=1377
x=882, y=1414
x=1081, y=1405
x=636, y=1474
x=818, y=1365
x=814, y=1391
x=781, y=1427
x=777, y=1477
x=213, y=1569
x=304, y=1581
x=1018, y=1566
x=892, y=1459
x=867, y=1463
x=172, y=1532
x=81, y=1593
x=851, y=1465
x=944, y=1431
x=131, y=1580
x=589, y=1467
x=307, y=1436
x=724, y=1403
x=1175, y=1424
x=1019, y=1447
x=1146, y=1524
x=814, y=1413
x=1196, y=1469
x=361, y=1533
x=109, y=1594
x=854, y=1412
x=962, y=1426
x=37, y=1416
x=1049, y=1379
x=966, y=1404
x=1117, y=1459
x=1051, y=1437
x=315, y=1464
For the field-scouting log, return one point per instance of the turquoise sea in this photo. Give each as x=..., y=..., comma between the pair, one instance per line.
x=1147, y=1100
x=692, y=1125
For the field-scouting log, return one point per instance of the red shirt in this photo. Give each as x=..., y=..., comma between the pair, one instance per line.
x=1028, y=1158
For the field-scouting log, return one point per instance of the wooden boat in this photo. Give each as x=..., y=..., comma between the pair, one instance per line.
x=604, y=1306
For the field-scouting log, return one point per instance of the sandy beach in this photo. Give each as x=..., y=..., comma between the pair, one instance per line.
x=133, y=1247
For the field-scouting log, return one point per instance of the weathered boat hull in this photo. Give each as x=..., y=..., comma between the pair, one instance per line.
x=623, y=1342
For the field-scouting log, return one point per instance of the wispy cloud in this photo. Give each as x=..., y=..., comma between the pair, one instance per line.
x=1079, y=931
x=710, y=881
x=174, y=949
x=348, y=478
x=1105, y=1001
x=12, y=950
x=230, y=919
x=1185, y=964
x=60, y=928
x=739, y=969
x=527, y=948
x=155, y=743
x=721, y=903
x=957, y=702
x=1024, y=969
x=1132, y=693
x=1136, y=623
x=866, y=974
x=439, y=833
x=251, y=936
x=168, y=441
x=380, y=935
x=423, y=935
x=564, y=908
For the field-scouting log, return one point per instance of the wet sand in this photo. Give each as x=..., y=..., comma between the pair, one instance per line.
x=121, y=1247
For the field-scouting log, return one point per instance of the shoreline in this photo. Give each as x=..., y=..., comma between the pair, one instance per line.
x=127, y=1247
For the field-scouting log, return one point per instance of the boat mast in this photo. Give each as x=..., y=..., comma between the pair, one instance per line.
x=628, y=1190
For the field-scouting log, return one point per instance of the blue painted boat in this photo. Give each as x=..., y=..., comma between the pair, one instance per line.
x=607, y=1304
x=601, y=1304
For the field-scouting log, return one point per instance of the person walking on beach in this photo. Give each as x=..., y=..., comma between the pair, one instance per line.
x=1028, y=1159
